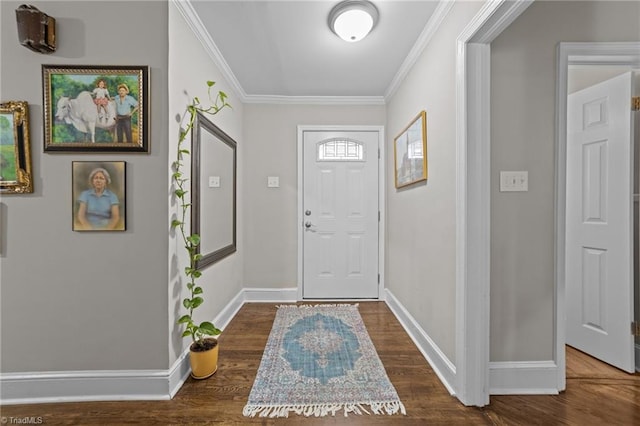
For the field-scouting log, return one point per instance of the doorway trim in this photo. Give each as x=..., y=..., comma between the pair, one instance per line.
x=618, y=53
x=473, y=171
x=381, y=196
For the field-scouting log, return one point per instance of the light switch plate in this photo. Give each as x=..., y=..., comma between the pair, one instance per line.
x=273, y=182
x=514, y=181
x=214, y=181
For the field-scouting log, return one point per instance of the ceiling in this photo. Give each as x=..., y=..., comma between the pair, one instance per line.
x=281, y=49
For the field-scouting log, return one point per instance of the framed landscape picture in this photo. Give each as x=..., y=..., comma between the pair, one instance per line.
x=15, y=149
x=410, y=152
x=95, y=108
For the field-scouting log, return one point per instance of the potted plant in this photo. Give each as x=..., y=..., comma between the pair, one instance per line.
x=204, y=348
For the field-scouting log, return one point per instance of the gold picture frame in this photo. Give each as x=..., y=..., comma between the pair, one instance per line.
x=93, y=108
x=15, y=148
x=410, y=152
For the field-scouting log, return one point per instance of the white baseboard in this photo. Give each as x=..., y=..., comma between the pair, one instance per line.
x=119, y=385
x=75, y=386
x=179, y=371
x=271, y=295
x=523, y=378
x=444, y=369
x=124, y=385
x=505, y=378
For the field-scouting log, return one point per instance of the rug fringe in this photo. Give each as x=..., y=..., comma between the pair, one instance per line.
x=321, y=410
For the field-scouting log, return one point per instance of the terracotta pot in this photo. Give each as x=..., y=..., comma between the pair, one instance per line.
x=204, y=363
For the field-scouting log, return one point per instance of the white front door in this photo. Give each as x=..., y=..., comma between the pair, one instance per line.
x=599, y=246
x=340, y=214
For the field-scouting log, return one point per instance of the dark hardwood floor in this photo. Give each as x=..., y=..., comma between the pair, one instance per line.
x=596, y=393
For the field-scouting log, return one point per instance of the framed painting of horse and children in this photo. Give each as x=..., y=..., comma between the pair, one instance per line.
x=96, y=108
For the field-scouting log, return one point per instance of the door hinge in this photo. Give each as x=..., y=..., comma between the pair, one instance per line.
x=378, y=215
x=635, y=328
x=378, y=278
x=635, y=103
x=378, y=153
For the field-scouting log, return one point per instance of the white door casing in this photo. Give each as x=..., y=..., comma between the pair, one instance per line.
x=379, y=131
x=473, y=190
x=340, y=219
x=599, y=207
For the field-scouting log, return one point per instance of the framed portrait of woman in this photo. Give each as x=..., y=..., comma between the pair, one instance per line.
x=99, y=195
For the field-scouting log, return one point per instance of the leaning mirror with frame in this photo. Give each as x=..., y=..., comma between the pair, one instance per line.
x=15, y=148
x=213, y=191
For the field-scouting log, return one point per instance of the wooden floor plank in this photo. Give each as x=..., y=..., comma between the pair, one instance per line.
x=596, y=393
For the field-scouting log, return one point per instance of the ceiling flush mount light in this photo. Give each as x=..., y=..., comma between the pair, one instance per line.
x=352, y=20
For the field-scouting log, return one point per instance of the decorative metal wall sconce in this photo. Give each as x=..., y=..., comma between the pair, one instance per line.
x=36, y=30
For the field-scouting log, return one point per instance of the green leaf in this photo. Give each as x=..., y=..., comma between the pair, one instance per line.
x=179, y=193
x=194, y=239
x=197, y=274
x=187, y=303
x=175, y=223
x=197, y=290
x=184, y=319
x=208, y=328
x=197, y=257
x=186, y=333
x=196, y=301
x=185, y=151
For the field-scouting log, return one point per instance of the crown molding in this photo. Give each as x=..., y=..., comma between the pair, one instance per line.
x=193, y=20
x=314, y=100
x=427, y=33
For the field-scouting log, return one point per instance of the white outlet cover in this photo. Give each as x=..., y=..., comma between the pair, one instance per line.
x=273, y=182
x=214, y=181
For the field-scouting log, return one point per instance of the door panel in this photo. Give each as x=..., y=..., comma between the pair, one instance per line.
x=340, y=201
x=599, y=275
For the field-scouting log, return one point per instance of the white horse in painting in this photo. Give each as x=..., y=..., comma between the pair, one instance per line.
x=83, y=114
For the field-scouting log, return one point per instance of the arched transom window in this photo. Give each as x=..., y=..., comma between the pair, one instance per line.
x=340, y=149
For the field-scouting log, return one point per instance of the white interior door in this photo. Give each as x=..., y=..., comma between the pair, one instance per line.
x=599, y=246
x=340, y=214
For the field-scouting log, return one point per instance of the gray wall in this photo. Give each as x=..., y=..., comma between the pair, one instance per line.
x=271, y=214
x=421, y=219
x=190, y=67
x=97, y=301
x=523, y=73
x=86, y=301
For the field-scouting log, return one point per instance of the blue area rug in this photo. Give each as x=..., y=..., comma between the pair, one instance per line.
x=320, y=360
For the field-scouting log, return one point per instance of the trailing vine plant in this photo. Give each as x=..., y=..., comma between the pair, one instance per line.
x=197, y=332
